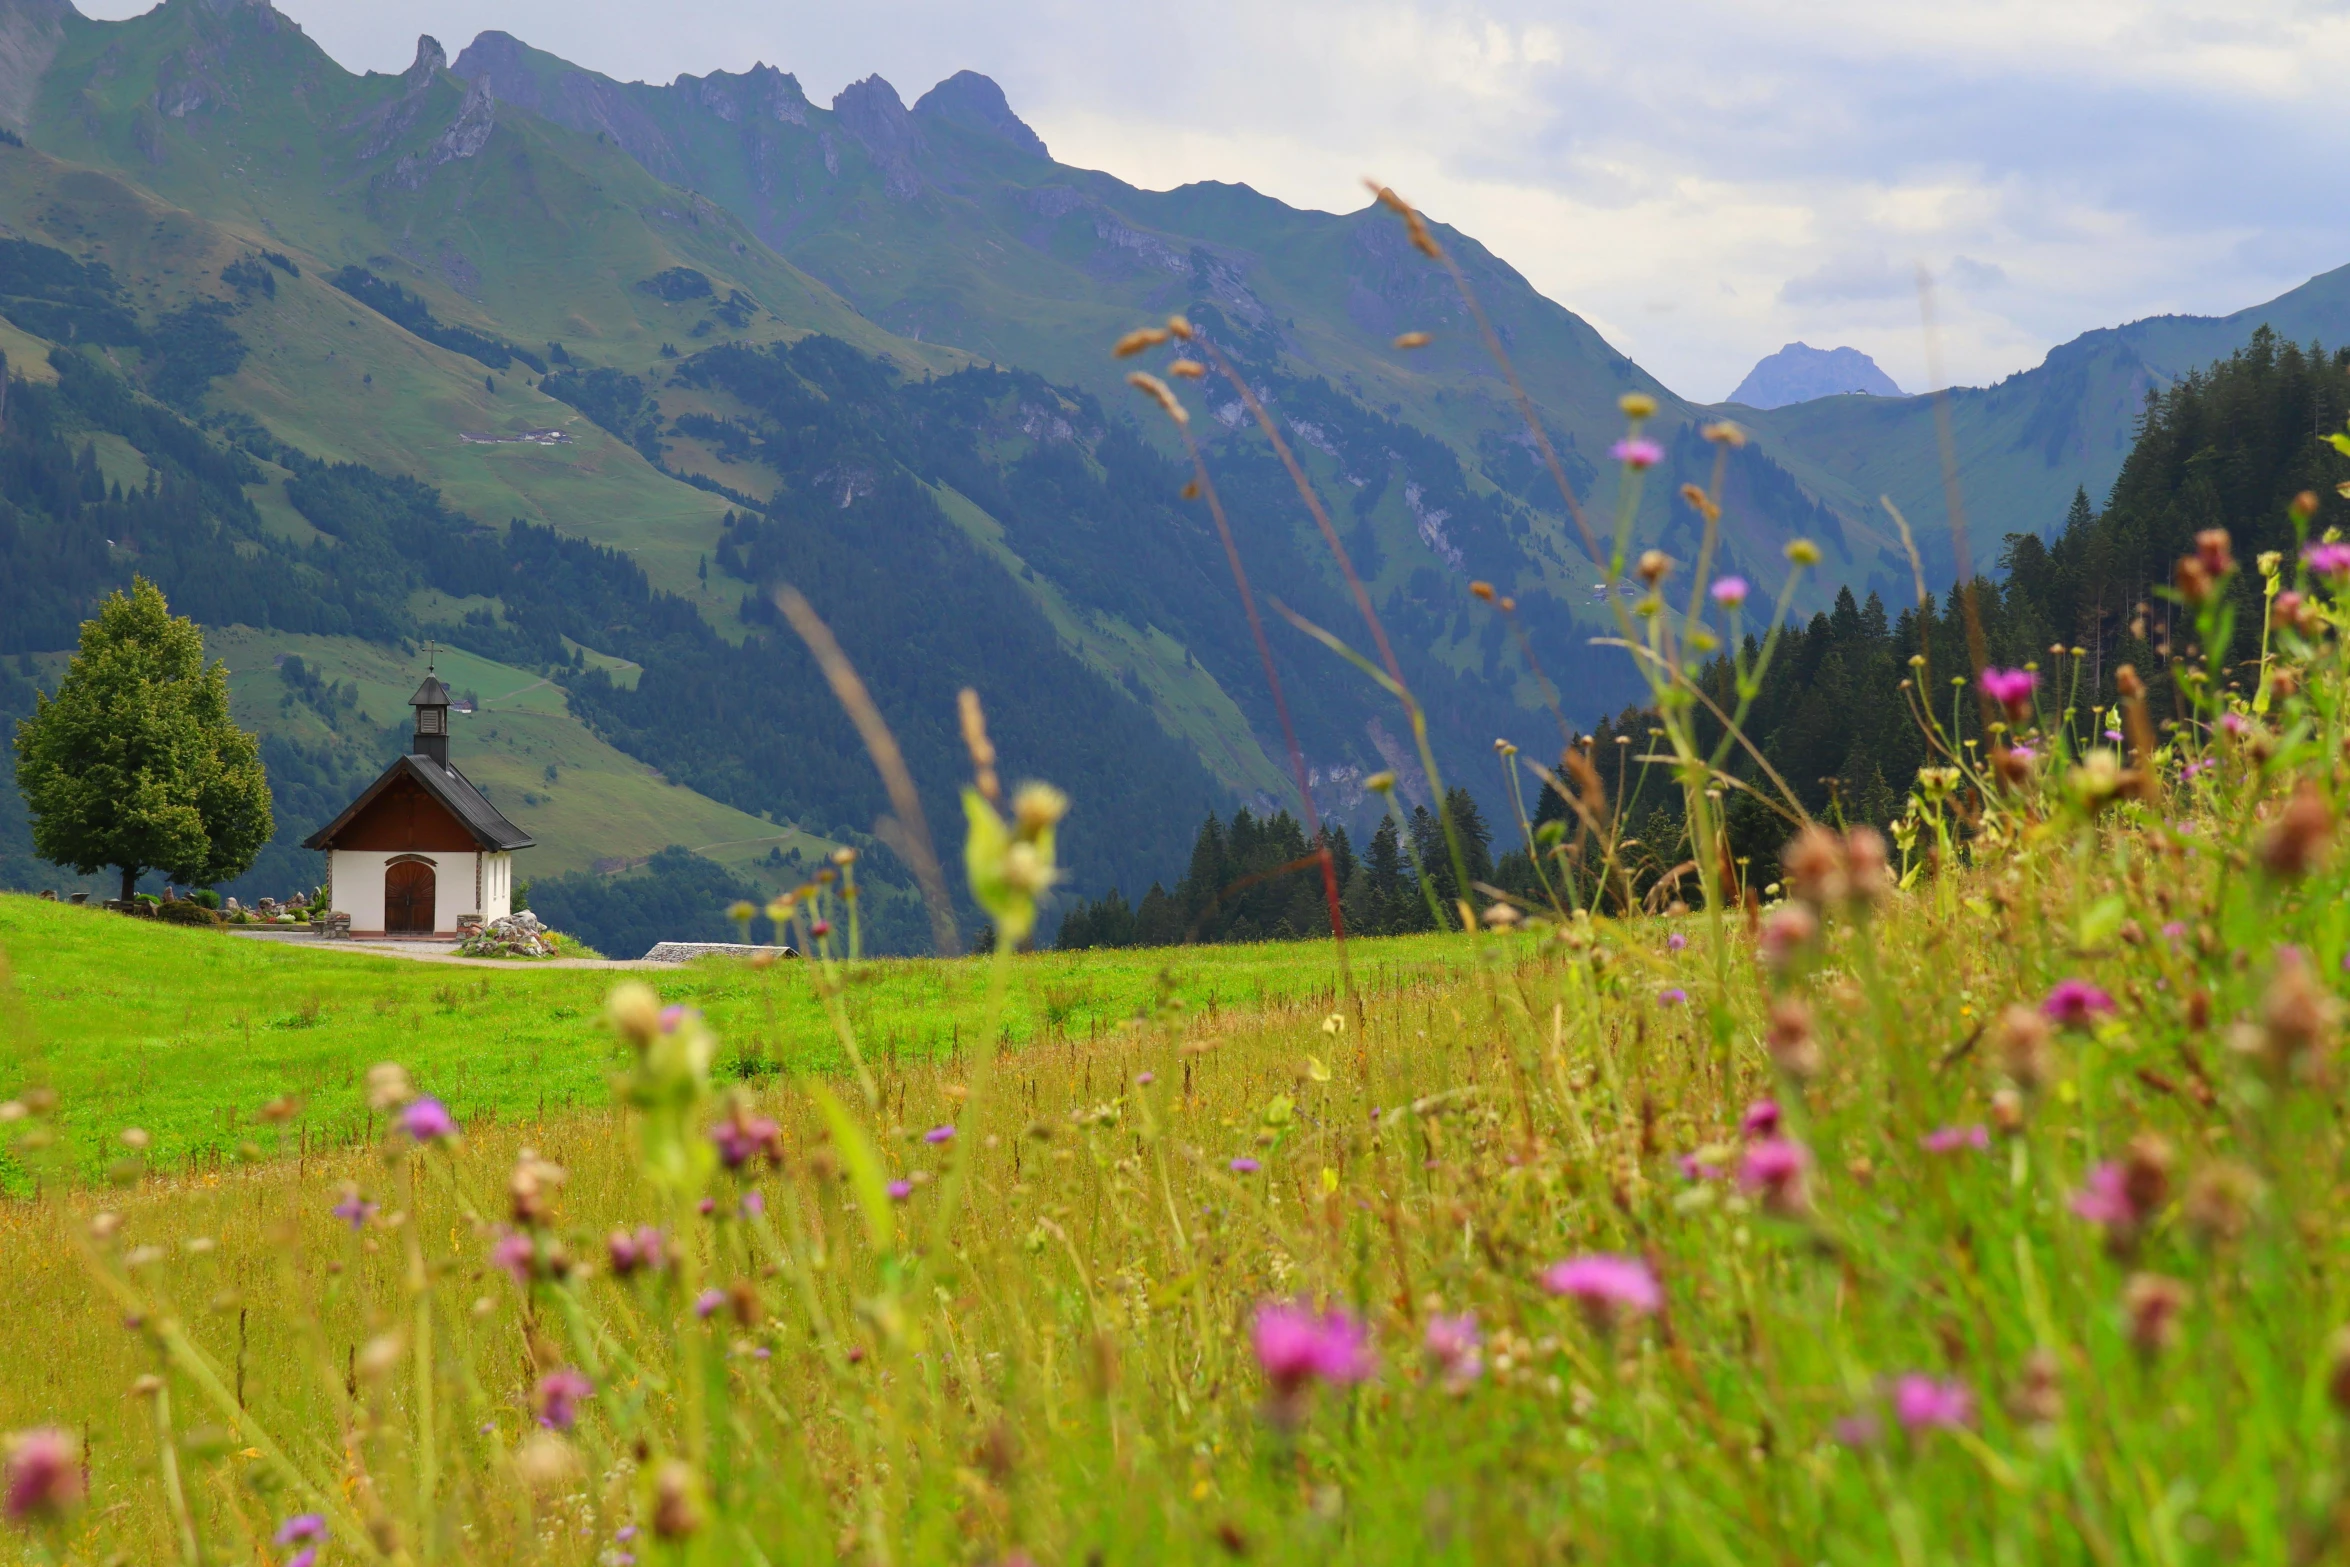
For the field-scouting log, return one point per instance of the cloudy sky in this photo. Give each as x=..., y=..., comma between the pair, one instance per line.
x=1704, y=181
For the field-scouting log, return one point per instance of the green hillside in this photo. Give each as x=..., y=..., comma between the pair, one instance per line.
x=2024, y=446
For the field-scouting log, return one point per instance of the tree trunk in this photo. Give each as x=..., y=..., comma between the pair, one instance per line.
x=130, y=882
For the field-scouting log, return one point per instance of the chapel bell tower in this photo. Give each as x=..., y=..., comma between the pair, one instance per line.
x=431, y=702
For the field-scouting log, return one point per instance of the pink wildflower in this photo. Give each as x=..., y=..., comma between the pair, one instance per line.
x=301, y=1529
x=1774, y=1171
x=706, y=1304
x=558, y=1396
x=2011, y=689
x=743, y=1136
x=631, y=1252
x=1730, y=592
x=1761, y=1119
x=44, y=1473
x=354, y=1209
x=1923, y=1403
x=899, y=1191
x=1603, y=1285
x=939, y=1134
x=2075, y=1003
x=1244, y=1165
x=2327, y=558
x=1298, y=1346
x=2105, y=1200
x=1455, y=1345
x=1676, y=942
x=1950, y=1139
x=1672, y=996
x=512, y=1251
x=1637, y=452
x=428, y=1121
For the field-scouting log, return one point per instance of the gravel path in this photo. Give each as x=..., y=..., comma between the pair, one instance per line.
x=431, y=952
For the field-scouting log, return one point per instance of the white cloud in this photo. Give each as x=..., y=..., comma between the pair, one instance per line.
x=1769, y=169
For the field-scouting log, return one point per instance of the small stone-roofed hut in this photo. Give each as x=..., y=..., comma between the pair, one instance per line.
x=421, y=852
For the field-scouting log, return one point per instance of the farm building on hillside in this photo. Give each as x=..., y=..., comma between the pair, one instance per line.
x=421, y=852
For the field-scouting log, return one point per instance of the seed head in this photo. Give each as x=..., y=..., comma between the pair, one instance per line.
x=1179, y=326
x=387, y=1086
x=1414, y=340
x=1803, y=552
x=2021, y=1038
x=2038, y=1398
x=2152, y=1302
x=2299, y=1018
x=2214, y=551
x=634, y=1012
x=1814, y=860
x=1791, y=1040
x=2218, y=1204
x=1136, y=341
x=677, y=1510
x=1187, y=369
x=1159, y=392
x=2146, y=1167
x=2298, y=840
x=1655, y=566
x=1637, y=405
x=1786, y=932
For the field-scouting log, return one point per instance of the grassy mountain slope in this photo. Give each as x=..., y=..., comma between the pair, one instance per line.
x=589, y=806
x=949, y=222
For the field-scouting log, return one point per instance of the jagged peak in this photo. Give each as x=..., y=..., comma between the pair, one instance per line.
x=976, y=103
x=872, y=98
x=431, y=59
x=872, y=111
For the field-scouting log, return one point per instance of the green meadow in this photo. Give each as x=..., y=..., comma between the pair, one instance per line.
x=188, y=1034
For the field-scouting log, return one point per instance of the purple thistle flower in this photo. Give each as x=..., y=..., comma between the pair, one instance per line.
x=2105, y=1200
x=44, y=1474
x=1950, y=1139
x=631, y=1252
x=2115, y=735
x=673, y=1016
x=1604, y=1284
x=1145, y=1079
x=899, y=1191
x=741, y=1137
x=558, y=1396
x=1774, y=1171
x=939, y=1134
x=1671, y=996
x=2010, y=688
x=2075, y=1003
x=428, y=1121
x=354, y=1209
x=1761, y=1119
x=2327, y=558
x=1923, y=1403
x=1676, y=942
x=1298, y=1346
x=1637, y=452
x=754, y=1204
x=1730, y=592
x=301, y=1529
x=707, y=1303
x=1244, y=1165
x=2022, y=753
x=1454, y=1344
x=512, y=1252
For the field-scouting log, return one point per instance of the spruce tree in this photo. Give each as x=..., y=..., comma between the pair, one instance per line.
x=135, y=763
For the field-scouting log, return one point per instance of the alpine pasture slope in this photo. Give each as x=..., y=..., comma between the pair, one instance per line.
x=1975, y=1201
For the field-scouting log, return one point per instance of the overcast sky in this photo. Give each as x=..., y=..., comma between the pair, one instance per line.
x=1702, y=181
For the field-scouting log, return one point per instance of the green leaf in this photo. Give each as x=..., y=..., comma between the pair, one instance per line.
x=2339, y=442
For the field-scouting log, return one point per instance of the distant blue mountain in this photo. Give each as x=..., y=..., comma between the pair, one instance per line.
x=1798, y=373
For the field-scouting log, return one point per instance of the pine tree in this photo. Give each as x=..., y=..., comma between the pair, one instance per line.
x=135, y=763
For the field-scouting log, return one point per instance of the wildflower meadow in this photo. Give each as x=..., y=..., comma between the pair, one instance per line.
x=1970, y=1193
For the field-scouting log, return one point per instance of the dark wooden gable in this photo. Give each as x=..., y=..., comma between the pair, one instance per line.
x=405, y=818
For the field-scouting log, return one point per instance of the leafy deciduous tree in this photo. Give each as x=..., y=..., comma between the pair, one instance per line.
x=135, y=763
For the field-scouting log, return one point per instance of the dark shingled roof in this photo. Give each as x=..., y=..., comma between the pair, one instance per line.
x=431, y=694
x=445, y=784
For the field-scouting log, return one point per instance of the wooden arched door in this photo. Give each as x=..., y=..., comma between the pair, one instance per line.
x=409, y=889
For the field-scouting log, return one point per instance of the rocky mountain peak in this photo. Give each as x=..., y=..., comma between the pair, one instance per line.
x=431, y=59
x=872, y=111
x=1799, y=373
x=976, y=103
